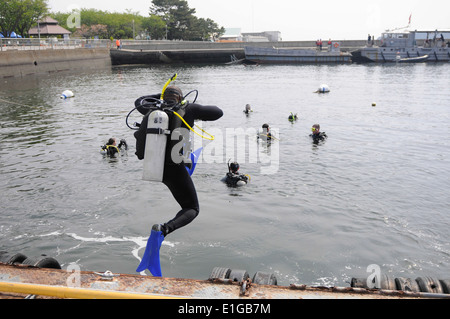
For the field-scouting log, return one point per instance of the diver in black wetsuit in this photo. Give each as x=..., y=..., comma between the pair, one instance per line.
x=265, y=135
x=176, y=177
x=317, y=136
x=293, y=117
x=234, y=178
x=112, y=149
x=248, y=109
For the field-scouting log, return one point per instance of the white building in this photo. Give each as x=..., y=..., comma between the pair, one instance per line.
x=235, y=35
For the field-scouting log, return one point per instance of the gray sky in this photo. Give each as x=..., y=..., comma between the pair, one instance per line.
x=296, y=19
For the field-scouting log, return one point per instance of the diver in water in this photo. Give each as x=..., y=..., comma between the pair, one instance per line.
x=317, y=136
x=265, y=135
x=112, y=149
x=248, y=109
x=293, y=117
x=176, y=177
x=234, y=178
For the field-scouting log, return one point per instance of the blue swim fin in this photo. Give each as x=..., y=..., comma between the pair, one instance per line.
x=194, y=158
x=150, y=260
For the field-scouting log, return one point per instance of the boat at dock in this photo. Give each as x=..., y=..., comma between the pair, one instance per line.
x=405, y=46
x=418, y=59
x=264, y=55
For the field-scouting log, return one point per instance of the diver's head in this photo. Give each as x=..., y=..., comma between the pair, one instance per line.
x=234, y=167
x=111, y=141
x=173, y=95
x=266, y=126
x=315, y=129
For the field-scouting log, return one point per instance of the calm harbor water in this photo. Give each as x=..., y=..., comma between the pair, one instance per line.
x=376, y=192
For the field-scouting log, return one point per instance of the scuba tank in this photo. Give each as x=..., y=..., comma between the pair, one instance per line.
x=155, y=146
x=152, y=134
x=154, y=137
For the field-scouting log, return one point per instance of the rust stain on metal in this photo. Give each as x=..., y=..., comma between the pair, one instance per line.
x=245, y=287
x=185, y=288
x=298, y=287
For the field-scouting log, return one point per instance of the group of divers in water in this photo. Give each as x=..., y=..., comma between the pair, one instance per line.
x=233, y=177
x=177, y=176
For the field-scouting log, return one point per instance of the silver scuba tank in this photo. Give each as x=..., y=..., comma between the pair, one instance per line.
x=155, y=146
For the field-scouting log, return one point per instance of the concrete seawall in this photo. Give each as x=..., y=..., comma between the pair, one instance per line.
x=166, y=52
x=197, y=45
x=22, y=63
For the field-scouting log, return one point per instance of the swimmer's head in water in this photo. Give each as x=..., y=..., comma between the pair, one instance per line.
x=234, y=167
x=111, y=141
x=315, y=129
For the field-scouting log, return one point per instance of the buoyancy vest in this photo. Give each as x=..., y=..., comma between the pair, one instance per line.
x=233, y=179
x=110, y=150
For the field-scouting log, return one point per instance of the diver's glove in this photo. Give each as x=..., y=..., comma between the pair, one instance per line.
x=123, y=143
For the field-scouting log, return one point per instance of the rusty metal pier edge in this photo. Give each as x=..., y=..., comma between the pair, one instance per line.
x=55, y=283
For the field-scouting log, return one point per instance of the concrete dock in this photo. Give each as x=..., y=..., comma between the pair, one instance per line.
x=19, y=59
x=189, y=52
x=23, y=63
x=19, y=281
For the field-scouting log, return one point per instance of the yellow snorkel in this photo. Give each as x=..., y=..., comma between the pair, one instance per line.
x=173, y=78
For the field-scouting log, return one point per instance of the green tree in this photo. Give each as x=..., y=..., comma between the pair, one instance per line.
x=209, y=30
x=175, y=14
x=154, y=26
x=103, y=24
x=181, y=21
x=20, y=15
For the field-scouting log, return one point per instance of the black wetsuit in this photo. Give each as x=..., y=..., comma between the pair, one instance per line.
x=176, y=177
x=318, y=137
x=232, y=179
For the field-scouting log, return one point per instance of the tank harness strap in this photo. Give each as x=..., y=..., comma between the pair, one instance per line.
x=110, y=148
x=158, y=131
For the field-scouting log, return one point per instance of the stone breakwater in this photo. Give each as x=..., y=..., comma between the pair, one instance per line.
x=22, y=63
x=167, y=52
x=16, y=63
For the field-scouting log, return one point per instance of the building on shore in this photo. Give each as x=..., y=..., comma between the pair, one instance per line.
x=269, y=36
x=48, y=27
x=231, y=35
x=235, y=35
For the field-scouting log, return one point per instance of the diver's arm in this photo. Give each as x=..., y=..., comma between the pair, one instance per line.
x=202, y=112
x=123, y=143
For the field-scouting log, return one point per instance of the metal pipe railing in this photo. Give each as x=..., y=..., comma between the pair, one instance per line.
x=74, y=293
x=51, y=44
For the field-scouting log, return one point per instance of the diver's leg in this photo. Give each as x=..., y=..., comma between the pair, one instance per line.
x=179, y=182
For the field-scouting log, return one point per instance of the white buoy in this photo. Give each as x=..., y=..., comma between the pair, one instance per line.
x=67, y=94
x=323, y=89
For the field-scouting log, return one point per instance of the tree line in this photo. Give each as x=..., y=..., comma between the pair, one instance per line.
x=20, y=15
x=167, y=19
